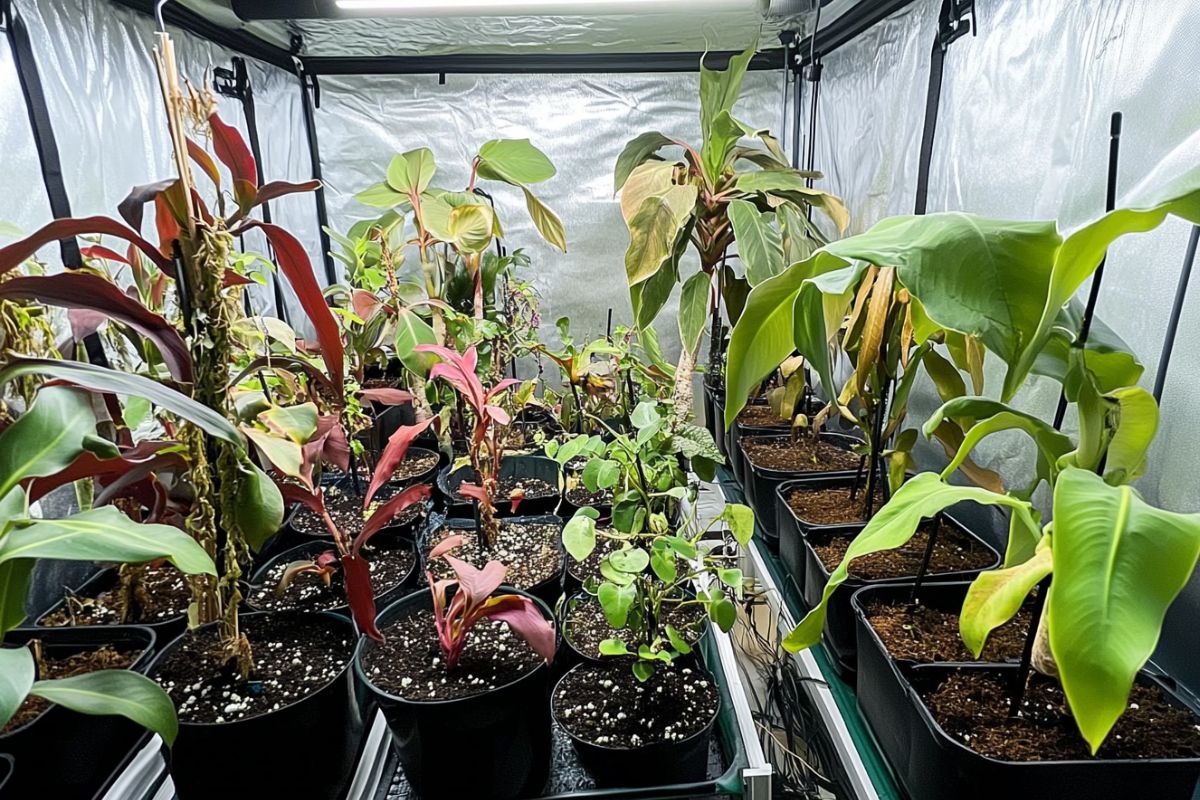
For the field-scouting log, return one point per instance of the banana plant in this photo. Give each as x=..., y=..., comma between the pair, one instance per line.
x=711, y=196
x=51, y=438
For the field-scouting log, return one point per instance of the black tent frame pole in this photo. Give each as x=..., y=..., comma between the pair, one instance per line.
x=47, y=148
x=1185, y=275
x=310, y=102
x=955, y=20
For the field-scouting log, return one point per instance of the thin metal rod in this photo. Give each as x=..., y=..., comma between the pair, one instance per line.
x=1185, y=274
x=924, y=568
x=1022, y=676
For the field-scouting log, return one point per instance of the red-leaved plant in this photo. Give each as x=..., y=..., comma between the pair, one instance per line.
x=473, y=601
x=485, y=447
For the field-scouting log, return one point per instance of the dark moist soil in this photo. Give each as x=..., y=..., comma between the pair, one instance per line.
x=346, y=511
x=529, y=550
x=106, y=657
x=832, y=506
x=166, y=589
x=586, y=627
x=294, y=656
x=580, y=497
x=589, y=568
x=410, y=663
x=804, y=454
x=954, y=552
x=308, y=592
x=973, y=708
x=414, y=465
x=534, y=488
x=924, y=634
x=759, y=416
x=604, y=704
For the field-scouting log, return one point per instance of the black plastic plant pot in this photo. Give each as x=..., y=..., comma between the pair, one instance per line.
x=6, y=770
x=840, y=637
x=792, y=530
x=311, y=550
x=714, y=420
x=507, y=728
x=719, y=433
x=548, y=591
x=101, y=582
x=539, y=467
x=742, y=430
x=932, y=765
x=881, y=689
x=760, y=483
x=62, y=753
x=388, y=420
x=306, y=749
x=569, y=655
x=657, y=764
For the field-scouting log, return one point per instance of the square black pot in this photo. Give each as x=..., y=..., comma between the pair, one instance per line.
x=932, y=765
x=840, y=636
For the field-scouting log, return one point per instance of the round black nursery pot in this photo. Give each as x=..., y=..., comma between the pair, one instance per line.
x=64, y=754
x=538, y=467
x=491, y=745
x=311, y=550
x=103, y=581
x=660, y=763
x=308, y=748
x=840, y=636
x=760, y=482
x=933, y=765
x=6, y=770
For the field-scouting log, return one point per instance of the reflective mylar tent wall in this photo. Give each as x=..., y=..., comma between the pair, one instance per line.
x=1022, y=133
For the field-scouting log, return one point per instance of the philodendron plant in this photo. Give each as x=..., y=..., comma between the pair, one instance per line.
x=649, y=573
x=57, y=434
x=711, y=196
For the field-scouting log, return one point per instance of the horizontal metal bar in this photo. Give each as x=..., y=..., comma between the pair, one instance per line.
x=553, y=63
x=849, y=25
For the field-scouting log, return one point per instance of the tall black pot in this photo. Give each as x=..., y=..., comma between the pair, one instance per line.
x=101, y=582
x=306, y=749
x=840, y=637
x=760, y=483
x=540, y=467
x=62, y=753
x=932, y=765
x=660, y=763
x=508, y=729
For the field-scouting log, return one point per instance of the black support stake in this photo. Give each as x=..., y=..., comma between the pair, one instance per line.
x=954, y=22
x=47, y=148
x=1185, y=275
x=311, y=98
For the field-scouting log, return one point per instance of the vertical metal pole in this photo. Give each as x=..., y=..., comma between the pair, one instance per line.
x=308, y=104
x=1185, y=274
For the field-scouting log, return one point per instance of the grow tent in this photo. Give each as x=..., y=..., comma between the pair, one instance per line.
x=998, y=107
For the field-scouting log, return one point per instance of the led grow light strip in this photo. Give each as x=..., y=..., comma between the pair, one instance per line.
x=546, y=7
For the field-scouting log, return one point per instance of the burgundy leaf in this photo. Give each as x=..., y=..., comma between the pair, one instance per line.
x=327, y=558
x=477, y=583
x=328, y=445
x=138, y=471
x=234, y=279
x=526, y=620
x=84, y=322
x=393, y=453
x=498, y=414
x=386, y=397
x=232, y=150
x=134, y=203
x=501, y=386
x=458, y=371
x=445, y=546
x=99, y=251
x=357, y=575
x=15, y=254
x=365, y=304
x=203, y=160
x=166, y=223
x=89, y=465
x=388, y=512
x=312, y=500
x=276, y=189
x=515, y=498
x=473, y=490
x=82, y=290
x=294, y=263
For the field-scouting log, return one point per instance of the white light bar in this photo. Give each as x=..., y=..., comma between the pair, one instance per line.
x=424, y=8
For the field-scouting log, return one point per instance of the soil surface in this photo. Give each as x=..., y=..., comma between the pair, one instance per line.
x=410, y=663
x=308, y=592
x=973, y=708
x=832, y=505
x=415, y=464
x=604, y=704
x=529, y=550
x=586, y=627
x=106, y=657
x=167, y=597
x=534, y=488
x=294, y=656
x=954, y=552
x=580, y=497
x=761, y=416
x=804, y=454
x=924, y=634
